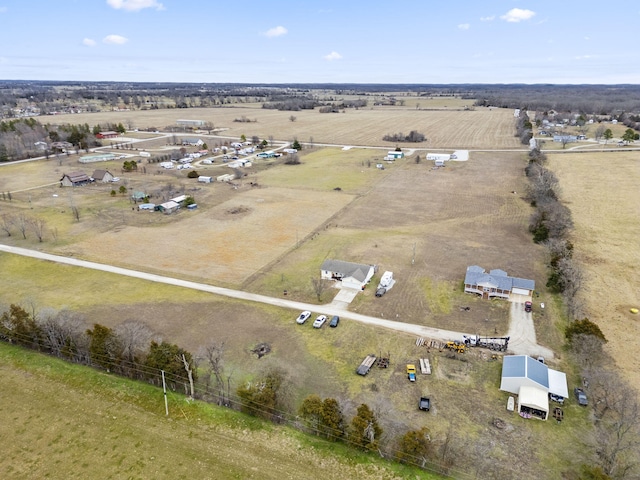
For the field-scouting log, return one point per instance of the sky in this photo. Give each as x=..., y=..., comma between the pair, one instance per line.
x=329, y=41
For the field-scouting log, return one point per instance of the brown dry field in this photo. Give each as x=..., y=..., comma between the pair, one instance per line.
x=602, y=192
x=444, y=128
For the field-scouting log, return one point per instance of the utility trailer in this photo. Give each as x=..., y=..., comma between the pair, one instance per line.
x=366, y=365
x=424, y=404
x=499, y=344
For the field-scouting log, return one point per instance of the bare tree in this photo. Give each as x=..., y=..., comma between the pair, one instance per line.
x=617, y=415
x=134, y=339
x=6, y=223
x=189, y=371
x=320, y=285
x=588, y=350
x=213, y=353
x=293, y=118
x=599, y=132
x=38, y=225
x=22, y=222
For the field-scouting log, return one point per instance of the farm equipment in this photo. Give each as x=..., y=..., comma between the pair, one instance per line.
x=492, y=343
x=411, y=372
x=424, y=404
x=456, y=346
x=366, y=364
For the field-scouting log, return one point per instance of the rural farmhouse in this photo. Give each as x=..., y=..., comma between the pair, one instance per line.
x=532, y=381
x=103, y=176
x=351, y=275
x=496, y=283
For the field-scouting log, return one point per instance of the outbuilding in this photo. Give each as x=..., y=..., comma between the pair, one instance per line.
x=103, y=176
x=204, y=179
x=74, y=179
x=532, y=381
x=168, y=207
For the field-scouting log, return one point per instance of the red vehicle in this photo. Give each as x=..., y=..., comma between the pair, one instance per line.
x=528, y=306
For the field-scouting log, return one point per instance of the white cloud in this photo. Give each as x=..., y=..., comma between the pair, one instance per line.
x=276, y=31
x=134, y=5
x=585, y=57
x=464, y=26
x=517, y=15
x=89, y=42
x=115, y=40
x=333, y=56
x=490, y=18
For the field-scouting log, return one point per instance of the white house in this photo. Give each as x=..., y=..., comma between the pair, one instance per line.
x=351, y=275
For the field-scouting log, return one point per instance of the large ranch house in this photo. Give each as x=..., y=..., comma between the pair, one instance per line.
x=496, y=283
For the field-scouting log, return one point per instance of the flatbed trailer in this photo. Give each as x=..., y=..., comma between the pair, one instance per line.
x=366, y=365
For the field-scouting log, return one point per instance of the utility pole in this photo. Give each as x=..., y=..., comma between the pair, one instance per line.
x=413, y=259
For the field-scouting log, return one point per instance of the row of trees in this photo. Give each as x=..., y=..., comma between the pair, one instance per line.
x=23, y=224
x=412, y=137
x=130, y=350
x=550, y=225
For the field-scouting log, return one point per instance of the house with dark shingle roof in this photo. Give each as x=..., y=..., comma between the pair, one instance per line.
x=74, y=179
x=496, y=283
x=351, y=275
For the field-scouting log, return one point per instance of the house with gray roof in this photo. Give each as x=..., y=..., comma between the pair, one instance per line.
x=74, y=179
x=351, y=275
x=496, y=283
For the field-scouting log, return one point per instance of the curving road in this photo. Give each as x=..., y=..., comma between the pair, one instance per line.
x=522, y=330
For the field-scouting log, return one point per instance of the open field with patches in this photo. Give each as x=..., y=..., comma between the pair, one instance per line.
x=482, y=128
x=602, y=192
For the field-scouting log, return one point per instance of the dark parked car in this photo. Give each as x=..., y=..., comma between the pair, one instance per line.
x=581, y=397
x=335, y=320
x=424, y=404
x=528, y=306
x=381, y=291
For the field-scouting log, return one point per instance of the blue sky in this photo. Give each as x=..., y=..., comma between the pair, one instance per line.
x=306, y=41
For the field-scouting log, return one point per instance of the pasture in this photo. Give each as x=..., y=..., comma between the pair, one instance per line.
x=601, y=189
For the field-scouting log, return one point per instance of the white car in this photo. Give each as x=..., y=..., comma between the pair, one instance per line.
x=319, y=321
x=303, y=317
x=115, y=179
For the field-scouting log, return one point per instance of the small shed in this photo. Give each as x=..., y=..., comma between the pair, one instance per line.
x=203, y=179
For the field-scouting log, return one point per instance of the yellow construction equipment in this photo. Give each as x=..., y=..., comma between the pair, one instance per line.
x=455, y=346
